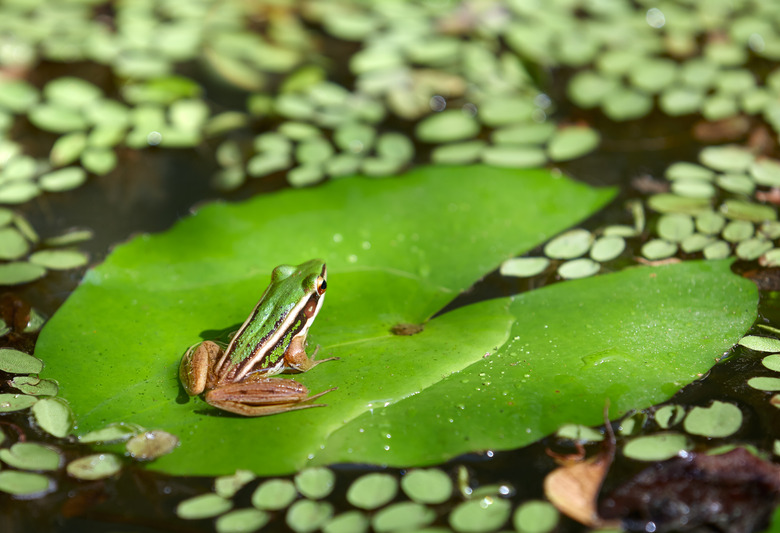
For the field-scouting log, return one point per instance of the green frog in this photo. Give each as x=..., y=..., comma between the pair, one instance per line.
x=239, y=378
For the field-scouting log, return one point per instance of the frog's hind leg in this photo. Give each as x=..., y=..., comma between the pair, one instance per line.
x=196, y=370
x=263, y=396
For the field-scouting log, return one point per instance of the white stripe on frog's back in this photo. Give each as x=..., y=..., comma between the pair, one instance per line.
x=283, y=332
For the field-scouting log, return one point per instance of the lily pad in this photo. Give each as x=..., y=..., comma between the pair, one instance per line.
x=31, y=456
x=427, y=486
x=730, y=158
x=242, y=521
x=718, y=420
x=658, y=447
x=349, y=522
x=306, y=516
x=372, y=490
x=483, y=515
x=203, y=506
x=151, y=445
x=228, y=486
x=717, y=250
x=17, y=95
x=535, y=517
x=656, y=249
x=97, y=466
x=675, y=227
x=54, y=416
x=18, y=192
x=578, y=268
x=524, y=267
x=18, y=272
x=59, y=259
x=24, y=484
x=403, y=516
x=572, y=142
x=315, y=483
x=741, y=210
x=518, y=156
x=760, y=344
x=411, y=232
x=458, y=153
x=274, y=494
x=447, y=126
x=111, y=433
x=35, y=386
x=569, y=245
x=16, y=362
x=15, y=402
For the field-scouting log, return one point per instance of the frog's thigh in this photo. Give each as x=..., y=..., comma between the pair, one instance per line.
x=196, y=364
x=260, y=392
x=259, y=397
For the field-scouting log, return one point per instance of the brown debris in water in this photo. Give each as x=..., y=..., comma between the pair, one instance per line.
x=734, y=492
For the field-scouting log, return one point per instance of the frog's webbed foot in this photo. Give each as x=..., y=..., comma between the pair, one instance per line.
x=298, y=361
x=262, y=397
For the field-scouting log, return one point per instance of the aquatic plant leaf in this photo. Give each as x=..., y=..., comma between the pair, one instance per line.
x=535, y=517
x=17, y=95
x=427, y=485
x=398, y=251
x=18, y=272
x=59, y=259
x=16, y=362
x=228, y=486
x=18, y=192
x=720, y=419
x=578, y=268
x=274, y=494
x=372, y=491
x=607, y=248
x=54, y=416
x=760, y=344
x=348, y=522
x=35, y=386
x=506, y=155
x=524, y=267
x=475, y=516
x=203, y=506
x=151, y=445
x=658, y=447
x=573, y=142
x=15, y=402
x=305, y=516
x=242, y=521
x=315, y=483
x=31, y=456
x=447, y=126
x=96, y=466
x=24, y=483
x=403, y=516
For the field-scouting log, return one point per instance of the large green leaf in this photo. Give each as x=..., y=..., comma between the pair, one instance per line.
x=397, y=252
x=629, y=339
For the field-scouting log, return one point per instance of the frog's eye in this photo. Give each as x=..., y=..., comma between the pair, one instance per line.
x=322, y=285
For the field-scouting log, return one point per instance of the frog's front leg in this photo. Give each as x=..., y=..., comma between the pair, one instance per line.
x=296, y=357
x=196, y=370
x=258, y=396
